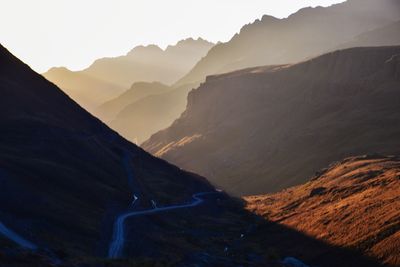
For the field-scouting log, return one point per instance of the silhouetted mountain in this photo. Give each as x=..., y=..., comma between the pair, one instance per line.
x=151, y=63
x=65, y=177
x=354, y=203
x=267, y=128
x=86, y=90
x=387, y=35
x=305, y=34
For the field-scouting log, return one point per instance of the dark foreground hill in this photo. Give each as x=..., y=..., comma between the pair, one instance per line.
x=65, y=177
x=263, y=129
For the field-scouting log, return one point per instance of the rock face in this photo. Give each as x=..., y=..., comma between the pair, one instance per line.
x=305, y=34
x=263, y=129
x=65, y=176
x=358, y=208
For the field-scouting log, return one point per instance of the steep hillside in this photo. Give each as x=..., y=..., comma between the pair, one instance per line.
x=88, y=91
x=264, y=129
x=354, y=203
x=108, y=110
x=307, y=33
x=150, y=63
x=66, y=178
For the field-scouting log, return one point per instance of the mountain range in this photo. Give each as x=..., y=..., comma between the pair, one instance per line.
x=151, y=63
x=304, y=34
x=110, y=77
x=266, y=128
x=295, y=122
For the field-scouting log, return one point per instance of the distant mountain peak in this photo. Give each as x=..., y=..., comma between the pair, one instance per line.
x=58, y=69
x=268, y=18
x=147, y=48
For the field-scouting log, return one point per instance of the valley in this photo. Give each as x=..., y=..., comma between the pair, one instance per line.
x=267, y=138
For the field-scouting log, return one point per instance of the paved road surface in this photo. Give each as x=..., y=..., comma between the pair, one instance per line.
x=8, y=233
x=118, y=240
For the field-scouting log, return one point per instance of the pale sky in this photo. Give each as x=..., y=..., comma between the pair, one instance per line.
x=73, y=33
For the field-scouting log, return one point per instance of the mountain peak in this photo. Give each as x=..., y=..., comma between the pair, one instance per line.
x=143, y=49
x=58, y=70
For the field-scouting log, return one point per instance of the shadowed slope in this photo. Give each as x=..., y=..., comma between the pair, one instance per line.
x=62, y=171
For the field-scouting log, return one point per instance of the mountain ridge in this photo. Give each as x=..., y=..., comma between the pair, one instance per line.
x=280, y=129
x=307, y=33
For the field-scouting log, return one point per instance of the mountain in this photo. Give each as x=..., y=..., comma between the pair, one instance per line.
x=138, y=120
x=144, y=109
x=387, y=35
x=267, y=128
x=108, y=110
x=86, y=90
x=75, y=192
x=67, y=181
x=150, y=63
x=304, y=34
x=107, y=78
x=354, y=203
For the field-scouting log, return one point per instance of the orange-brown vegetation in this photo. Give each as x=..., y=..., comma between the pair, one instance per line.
x=354, y=203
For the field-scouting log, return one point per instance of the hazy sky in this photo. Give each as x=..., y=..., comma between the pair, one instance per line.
x=73, y=33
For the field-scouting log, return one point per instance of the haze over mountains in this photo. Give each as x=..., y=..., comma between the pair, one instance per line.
x=283, y=110
x=304, y=34
x=151, y=63
x=109, y=109
x=154, y=111
x=384, y=36
x=307, y=33
x=88, y=91
x=264, y=129
x=109, y=77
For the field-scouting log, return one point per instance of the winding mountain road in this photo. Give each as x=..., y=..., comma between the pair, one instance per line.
x=118, y=240
x=11, y=235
